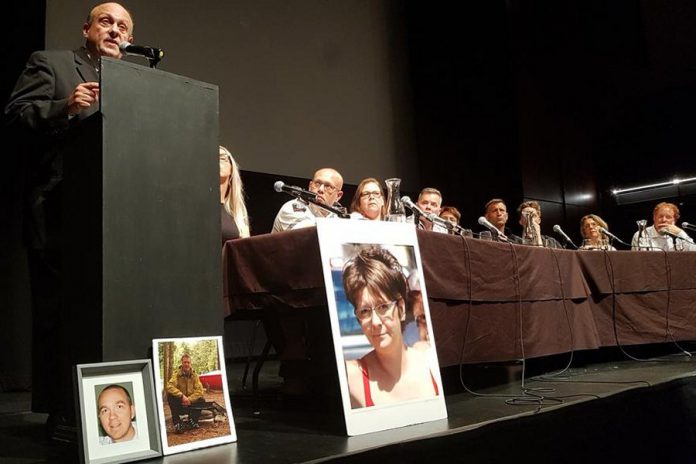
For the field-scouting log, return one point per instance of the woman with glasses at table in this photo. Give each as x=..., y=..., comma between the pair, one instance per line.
x=233, y=212
x=368, y=201
x=392, y=372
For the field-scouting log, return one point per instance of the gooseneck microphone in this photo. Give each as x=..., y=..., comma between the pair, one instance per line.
x=309, y=197
x=407, y=202
x=667, y=233
x=612, y=236
x=686, y=225
x=297, y=192
x=565, y=237
x=141, y=50
x=153, y=54
x=412, y=206
x=488, y=225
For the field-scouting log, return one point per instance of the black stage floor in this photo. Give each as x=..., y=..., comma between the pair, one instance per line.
x=621, y=411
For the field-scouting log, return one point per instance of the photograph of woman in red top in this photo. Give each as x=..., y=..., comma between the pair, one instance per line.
x=392, y=372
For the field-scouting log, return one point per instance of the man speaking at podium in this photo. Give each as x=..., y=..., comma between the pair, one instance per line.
x=56, y=90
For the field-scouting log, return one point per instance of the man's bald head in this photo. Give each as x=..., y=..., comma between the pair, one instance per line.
x=327, y=184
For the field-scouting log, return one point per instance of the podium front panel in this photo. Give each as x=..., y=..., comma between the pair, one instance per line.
x=161, y=264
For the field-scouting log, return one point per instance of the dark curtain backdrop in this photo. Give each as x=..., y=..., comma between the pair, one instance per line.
x=22, y=33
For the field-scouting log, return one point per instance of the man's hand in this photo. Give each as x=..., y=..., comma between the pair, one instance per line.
x=671, y=228
x=185, y=401
x=84, y=96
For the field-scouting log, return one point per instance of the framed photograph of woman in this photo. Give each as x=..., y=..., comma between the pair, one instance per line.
x=383, y=340
x=117, y=412
x=192, y=395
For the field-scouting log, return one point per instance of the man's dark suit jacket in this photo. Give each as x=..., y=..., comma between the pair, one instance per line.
x=37, y=114
x=39, y=122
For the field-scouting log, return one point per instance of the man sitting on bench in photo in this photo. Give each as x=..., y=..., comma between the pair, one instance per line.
x=183, y=390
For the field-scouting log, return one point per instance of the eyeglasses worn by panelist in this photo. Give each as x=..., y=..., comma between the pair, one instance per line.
x=392, y=372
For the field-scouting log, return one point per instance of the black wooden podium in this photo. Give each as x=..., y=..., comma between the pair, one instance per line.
x=142, y=255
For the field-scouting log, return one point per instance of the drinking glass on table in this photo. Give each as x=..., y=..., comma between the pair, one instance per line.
x=486, y=235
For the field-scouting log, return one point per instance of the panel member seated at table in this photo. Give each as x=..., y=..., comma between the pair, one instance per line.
x=233, y=212
x=665, y=216
x=451, y=215
x=495, y=211
x=183, y=390
x=368, y=201
x=392, y=372
x=327, y=184
x=430, y=202
x=116, y=415
x=592, y=238
x=530, y=220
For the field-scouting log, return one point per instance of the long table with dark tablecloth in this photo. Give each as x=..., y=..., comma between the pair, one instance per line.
x=493, y=301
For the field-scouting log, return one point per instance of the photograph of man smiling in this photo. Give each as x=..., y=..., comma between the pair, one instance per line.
x=116, y=414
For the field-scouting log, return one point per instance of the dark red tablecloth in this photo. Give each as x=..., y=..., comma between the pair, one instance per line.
x=493, y=301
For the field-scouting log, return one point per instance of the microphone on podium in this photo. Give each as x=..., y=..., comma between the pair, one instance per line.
x=153, y=54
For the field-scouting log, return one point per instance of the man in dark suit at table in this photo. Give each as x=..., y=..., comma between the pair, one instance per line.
x=55, y=92
x=495, y=211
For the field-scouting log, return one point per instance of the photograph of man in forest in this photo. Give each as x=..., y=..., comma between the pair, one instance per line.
x=193, y=400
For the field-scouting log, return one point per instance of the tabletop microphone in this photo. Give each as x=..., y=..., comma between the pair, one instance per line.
x=560, y=232
x=614, y=237
x=151, y=53
x=412, y=206
x=686, y=225
x=667, y=233
x=488, y=225
x=297, y=192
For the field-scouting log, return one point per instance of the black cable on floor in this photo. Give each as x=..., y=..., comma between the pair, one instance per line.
x=570, y=325
x=531, y=395
x=612, y=283
x=466, y=332
x=668, y=275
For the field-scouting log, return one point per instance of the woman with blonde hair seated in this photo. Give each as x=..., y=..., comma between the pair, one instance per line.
x=233, y=213
x=593, y=239
x=368, y=201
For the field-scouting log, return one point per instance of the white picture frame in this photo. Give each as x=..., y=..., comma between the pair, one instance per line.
x=340, y=242
x=214, y=413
